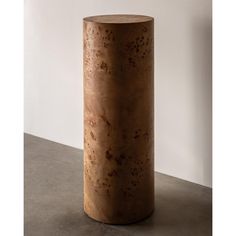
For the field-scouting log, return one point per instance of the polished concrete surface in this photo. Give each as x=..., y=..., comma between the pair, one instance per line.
x=54, y=199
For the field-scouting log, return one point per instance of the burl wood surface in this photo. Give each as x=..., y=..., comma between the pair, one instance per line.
x=118, y=118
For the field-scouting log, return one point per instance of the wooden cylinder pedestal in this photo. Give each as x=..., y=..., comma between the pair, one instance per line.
x=118, y=118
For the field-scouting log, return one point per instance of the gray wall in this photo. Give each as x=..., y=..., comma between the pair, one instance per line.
x=53, y=77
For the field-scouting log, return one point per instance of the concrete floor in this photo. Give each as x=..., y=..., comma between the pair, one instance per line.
x=54, y=199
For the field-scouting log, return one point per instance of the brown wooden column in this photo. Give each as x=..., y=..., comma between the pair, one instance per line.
x=118, y=118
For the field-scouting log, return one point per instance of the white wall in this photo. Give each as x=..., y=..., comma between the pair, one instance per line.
x=53, y=76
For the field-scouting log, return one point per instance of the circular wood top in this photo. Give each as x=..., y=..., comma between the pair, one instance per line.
x=118, y=19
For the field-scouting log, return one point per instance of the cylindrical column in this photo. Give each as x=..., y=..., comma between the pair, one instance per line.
x=118, y=118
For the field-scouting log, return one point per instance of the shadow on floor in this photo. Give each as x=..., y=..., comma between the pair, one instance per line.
x=174, y=215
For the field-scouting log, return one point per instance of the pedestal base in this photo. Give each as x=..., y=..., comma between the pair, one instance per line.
x=118, y=118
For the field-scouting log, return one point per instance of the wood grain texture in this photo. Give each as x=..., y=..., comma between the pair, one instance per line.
x=118, y=118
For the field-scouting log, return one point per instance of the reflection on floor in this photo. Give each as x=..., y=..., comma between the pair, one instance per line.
x=54, y=199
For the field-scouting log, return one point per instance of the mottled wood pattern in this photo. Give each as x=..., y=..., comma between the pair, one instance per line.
x=118, y=118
